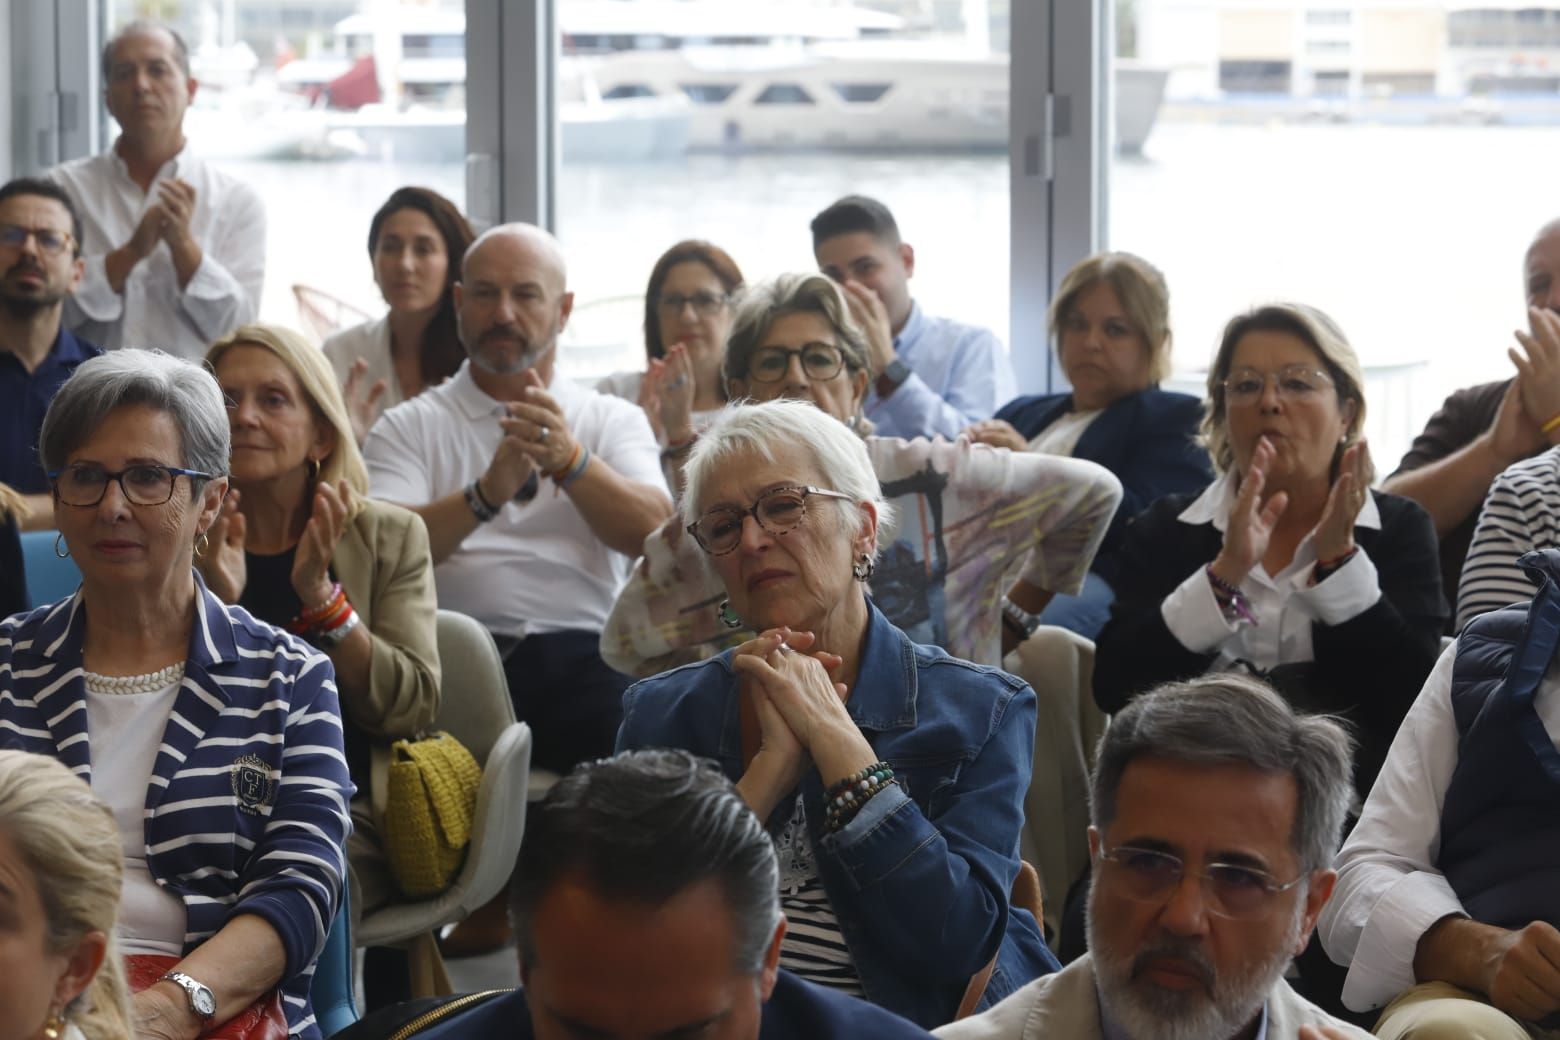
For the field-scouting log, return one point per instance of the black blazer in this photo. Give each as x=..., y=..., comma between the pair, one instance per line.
x=13, y=577
x=1147, y=439
x=1368, y=669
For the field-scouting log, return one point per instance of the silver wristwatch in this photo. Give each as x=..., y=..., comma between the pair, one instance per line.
x=1020, y=618
x=203, y=1004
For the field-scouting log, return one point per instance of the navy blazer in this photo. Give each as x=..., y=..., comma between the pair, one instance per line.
x=1148, y=440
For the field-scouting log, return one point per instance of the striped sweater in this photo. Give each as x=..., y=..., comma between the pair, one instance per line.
x=1521, y=513
x=247, y=808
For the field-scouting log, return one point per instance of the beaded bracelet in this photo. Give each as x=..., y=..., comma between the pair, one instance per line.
x=311, y=618
x=846, y=797
x=1229, y=596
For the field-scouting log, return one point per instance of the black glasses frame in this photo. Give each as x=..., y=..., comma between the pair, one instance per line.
x=173, y=472
x=753, y=511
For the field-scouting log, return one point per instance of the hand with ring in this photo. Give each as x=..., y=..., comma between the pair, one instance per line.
x=538, y=422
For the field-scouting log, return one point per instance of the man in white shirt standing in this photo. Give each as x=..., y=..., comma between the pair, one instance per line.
x=1448, y=901
x=931, y=375
x=537, y=494
x=174, y=249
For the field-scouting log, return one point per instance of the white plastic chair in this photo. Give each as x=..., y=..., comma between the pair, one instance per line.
x=476, y=710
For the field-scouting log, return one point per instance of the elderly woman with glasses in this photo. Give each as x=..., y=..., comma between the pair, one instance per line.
x=969, y=519
x=214, y=738
x=891, y=774
x=688, y=313
x=1289, y=566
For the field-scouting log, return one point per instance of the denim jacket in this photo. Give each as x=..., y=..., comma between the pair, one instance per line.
x=920, y=878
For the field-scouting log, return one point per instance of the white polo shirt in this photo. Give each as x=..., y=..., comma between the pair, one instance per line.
x=536, y=567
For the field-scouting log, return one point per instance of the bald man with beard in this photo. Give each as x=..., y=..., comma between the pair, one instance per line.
x=537, y=493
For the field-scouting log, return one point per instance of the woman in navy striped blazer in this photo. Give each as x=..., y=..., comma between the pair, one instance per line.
x=214, y=738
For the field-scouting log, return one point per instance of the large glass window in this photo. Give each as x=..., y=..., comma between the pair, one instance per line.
x=325, y=107
x=738, y=122
x=1376, y=159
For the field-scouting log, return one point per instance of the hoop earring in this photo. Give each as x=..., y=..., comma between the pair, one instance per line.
x=728, y=617
x=314, y=471
x=54, y=1028
x=862, y=569
x=202, y=543
x=60, y=548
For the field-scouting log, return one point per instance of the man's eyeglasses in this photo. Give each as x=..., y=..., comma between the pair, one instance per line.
x=820, y=361
x=83, y=485
x=777, y=511
x=1296, y=384
x=1229, y=890
x=705, y=304
x=50, y=241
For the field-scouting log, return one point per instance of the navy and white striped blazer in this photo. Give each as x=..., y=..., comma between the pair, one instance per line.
x=247, y=808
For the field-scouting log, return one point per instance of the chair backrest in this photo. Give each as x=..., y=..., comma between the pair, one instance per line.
x=331, y=991
x=50, y=578
x=475, y=706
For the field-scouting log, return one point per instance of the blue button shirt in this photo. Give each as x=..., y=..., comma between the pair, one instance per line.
x=24, y=398
x=959, y=375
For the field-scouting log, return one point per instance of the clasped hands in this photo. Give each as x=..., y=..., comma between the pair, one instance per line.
x=167, y=219
x=536, y=436
x=801, y=715
x=1252, y=521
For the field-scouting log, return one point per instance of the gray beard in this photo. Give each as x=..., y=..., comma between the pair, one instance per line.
x=1147, y=1013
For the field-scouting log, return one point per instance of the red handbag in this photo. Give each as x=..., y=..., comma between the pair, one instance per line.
x=265, y=1019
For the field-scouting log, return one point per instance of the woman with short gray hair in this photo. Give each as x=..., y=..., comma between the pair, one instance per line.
x=891, y=775
x=214, y=739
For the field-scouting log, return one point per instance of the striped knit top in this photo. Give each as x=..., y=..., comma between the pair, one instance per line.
x=1521, y=513
x=246, y=812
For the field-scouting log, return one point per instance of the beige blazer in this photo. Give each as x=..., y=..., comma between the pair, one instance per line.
x=386, y=570
x=1066, y=1004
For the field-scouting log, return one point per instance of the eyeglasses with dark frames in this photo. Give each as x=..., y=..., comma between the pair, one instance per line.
x=50, y=241
x=820, y=361
x=779, y=511
x=705, y=304
x=145, y=485
x=1229, y=889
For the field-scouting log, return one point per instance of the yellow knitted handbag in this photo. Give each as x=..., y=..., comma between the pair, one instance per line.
x=430, y=806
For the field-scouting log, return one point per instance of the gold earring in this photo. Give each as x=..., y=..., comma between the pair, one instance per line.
x=54, y=1028
x=202, y=544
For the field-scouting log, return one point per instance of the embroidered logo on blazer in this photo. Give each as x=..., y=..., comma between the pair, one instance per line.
x=252, y=784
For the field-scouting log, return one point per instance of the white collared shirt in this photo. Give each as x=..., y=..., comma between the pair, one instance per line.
x=1285, y=604
x=224, y=292
x=1389, y=890
x=536, y=567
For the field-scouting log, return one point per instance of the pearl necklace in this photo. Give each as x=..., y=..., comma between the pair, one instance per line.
x=149, y=683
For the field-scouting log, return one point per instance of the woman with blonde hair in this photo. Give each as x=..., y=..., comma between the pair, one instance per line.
x=59, y=856
x=1111, y=323
x=1288, y=566
x=300, y=545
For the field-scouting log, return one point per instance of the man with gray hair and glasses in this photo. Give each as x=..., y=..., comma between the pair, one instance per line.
x=1216, y=811
x=646, y=903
